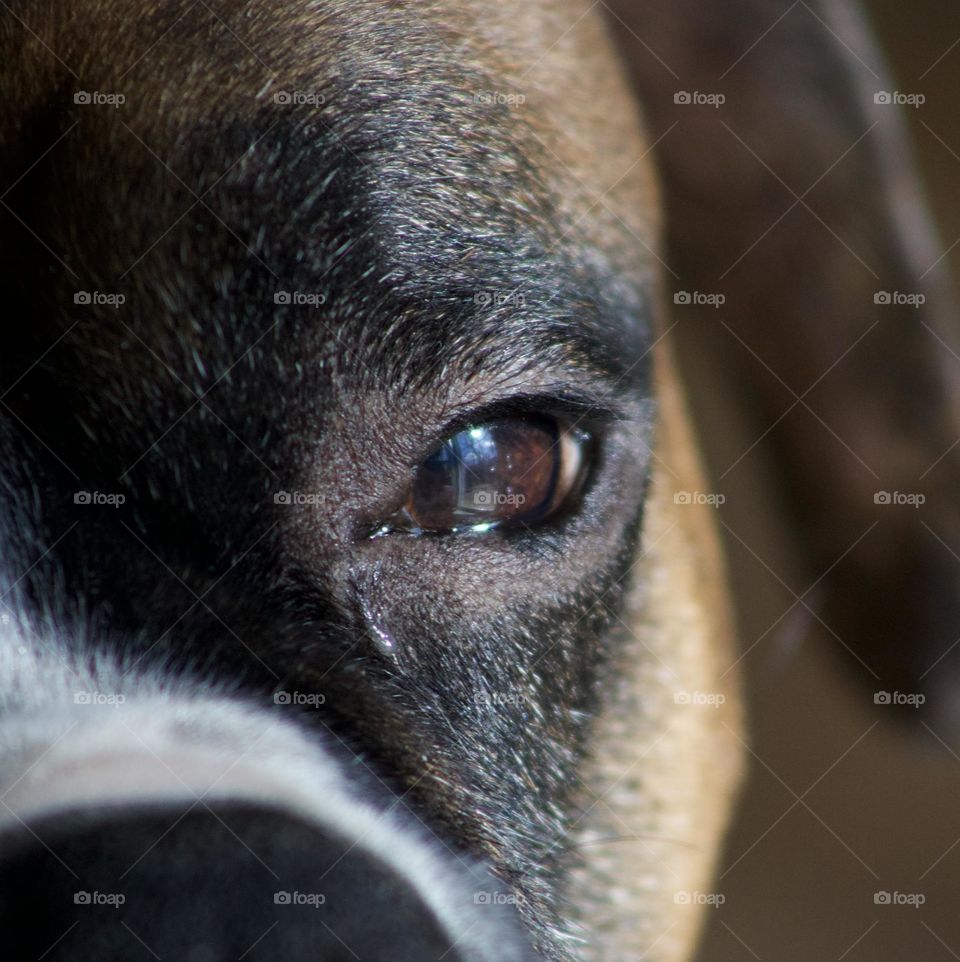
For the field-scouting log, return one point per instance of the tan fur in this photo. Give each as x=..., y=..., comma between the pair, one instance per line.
x=664, y=771
x=558, y=55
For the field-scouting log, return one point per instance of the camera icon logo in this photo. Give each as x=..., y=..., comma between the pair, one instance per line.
x=882, y=698
x=882, y=497
x=282, y=698
x=682, y=297
x=282, y=297
x=82, y=97
x=81, y=898
x=82, y=497
x=282, y=97
x=283, y=497
x=682, y=97
x=281, y=898
x=881, y=898
x=882, y=297
x=483, y=498
x=82, y=297
x=882, y=97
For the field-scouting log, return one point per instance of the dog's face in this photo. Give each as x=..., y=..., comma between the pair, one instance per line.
x=376, y=400
x=340, y=453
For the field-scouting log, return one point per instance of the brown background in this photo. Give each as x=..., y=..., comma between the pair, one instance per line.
x=880, y=807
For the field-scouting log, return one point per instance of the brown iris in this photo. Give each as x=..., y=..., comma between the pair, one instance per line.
x=516, y=469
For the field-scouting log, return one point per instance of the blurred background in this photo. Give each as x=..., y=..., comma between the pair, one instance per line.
x=842, y=803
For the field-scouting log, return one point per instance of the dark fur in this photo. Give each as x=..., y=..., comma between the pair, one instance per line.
x=199, y=398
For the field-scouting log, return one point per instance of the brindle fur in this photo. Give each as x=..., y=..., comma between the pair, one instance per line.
x=529, y=675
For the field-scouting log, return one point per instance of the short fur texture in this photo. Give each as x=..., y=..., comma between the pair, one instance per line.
x=340, y=233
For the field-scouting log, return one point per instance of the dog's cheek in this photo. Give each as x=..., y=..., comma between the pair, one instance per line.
x=514, y=683
x=509, y=702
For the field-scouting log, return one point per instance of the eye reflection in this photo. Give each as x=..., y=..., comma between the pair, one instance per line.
x=509, y=470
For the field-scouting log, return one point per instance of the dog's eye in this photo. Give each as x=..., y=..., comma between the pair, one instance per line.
x=513, y=470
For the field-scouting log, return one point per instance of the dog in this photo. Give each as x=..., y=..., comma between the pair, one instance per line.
x=363, y=588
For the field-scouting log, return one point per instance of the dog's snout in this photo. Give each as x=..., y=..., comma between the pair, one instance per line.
x=210, y=884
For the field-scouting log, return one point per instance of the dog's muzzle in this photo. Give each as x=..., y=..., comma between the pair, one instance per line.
x=176, y=825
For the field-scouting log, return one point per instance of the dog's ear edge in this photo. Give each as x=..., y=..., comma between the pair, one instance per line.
x=790, y=191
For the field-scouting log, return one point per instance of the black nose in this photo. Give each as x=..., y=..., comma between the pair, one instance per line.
x=238, y=882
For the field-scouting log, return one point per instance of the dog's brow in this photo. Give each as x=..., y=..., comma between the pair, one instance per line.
x=490, y=286
x=550, y=330
x=586, y=352
x=449, y=256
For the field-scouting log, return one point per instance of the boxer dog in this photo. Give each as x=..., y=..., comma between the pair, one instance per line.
x=362, y=596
